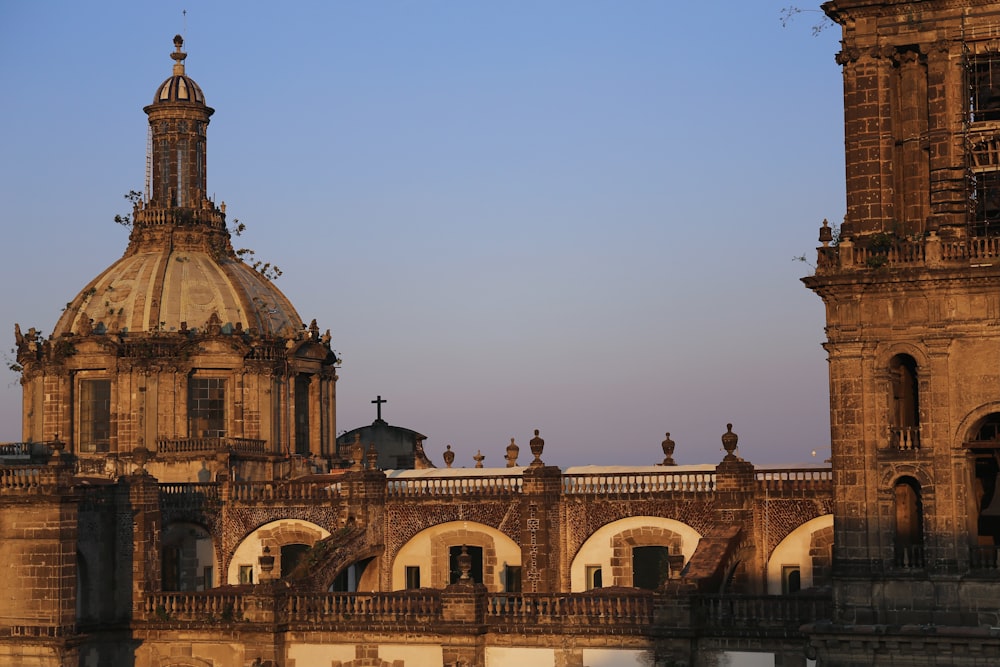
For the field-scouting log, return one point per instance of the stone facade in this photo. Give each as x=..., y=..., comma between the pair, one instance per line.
x=910, y=288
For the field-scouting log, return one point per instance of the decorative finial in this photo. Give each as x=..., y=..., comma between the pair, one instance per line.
x=464, y=566
x=449, y=456
x=537, y=445
x=729, y=440
x=512, y=451
x=668, y=451
x=479, y=458
x=825, y=233
x=178, y=56
x=357, y=454
x=372, y=457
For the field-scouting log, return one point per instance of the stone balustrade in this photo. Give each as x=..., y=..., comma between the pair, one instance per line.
x=184, y=492
x=194, y=607
x=795, y=479
x=156, y=217
x=930, y=251
x=16, y=480
x=416, y=606
x=500, y=485
x=252, y=492
x=631, y=484
x=19, y=449
x=210, y=444
x=592, y=608
x=905, y=438
x=630, y=611
x=755, y=612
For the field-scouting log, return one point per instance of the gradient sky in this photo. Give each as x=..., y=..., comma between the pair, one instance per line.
x=577, y=216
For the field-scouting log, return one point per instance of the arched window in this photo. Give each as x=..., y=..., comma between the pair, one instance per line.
x=909, y=514
x=904, y=403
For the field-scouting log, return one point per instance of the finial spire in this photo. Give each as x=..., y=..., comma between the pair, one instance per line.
x=178, y=55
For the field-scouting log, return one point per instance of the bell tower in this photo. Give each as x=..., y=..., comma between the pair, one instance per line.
x=911, y=287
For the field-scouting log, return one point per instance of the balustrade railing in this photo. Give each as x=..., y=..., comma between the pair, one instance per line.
x=570, y=608
x=183, y=492
x=201, y=607
x=905, y=438
x=422, y=606
x=626, y=484
x=904, y=252
x=210, y=444
x=804, y=479
x=15, y=449
x=984, y=557
x=26, y=479
x=250, y=492
x=911, y=557
x=762, y=611
x=411, y=487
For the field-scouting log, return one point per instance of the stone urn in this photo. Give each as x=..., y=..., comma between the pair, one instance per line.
x=537, y=445
x=668, y=451
x=449, y=456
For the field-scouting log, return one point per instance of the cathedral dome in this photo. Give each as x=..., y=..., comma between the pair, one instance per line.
x=179, y=271
x=172, y=288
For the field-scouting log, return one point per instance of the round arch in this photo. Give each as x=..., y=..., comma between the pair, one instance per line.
x=598, y=551
x=428, y=550
x=244, y=566
x=795, y=552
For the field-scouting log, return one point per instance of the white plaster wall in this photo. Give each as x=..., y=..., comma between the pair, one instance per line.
x=417, y=655
x=794, y=550
x=597, y=549
x=506, y=656
x=250, y=549
x=611, y=657
x=745, y=659
x=418, y=551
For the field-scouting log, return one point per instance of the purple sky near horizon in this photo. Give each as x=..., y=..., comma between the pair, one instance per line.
x=578, y=216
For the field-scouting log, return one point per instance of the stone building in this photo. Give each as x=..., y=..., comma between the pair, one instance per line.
x=912, y=299
x=180, y=498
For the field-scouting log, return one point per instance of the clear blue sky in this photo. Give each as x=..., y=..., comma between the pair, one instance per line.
x=576, y=216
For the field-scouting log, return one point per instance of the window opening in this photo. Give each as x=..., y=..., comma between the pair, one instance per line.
x=246, y=574
x=909, y=546
x=650, y=566
x=512, y=579
x=791, y=579
x=301, y=414
x=476, y=571
x=291, y=556
x=95, y=415
x=595, y=577
x=207, y=407
x=412, y=577
x=905, y=417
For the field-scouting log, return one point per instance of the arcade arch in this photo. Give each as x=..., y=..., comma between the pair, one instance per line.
x=277, y=536
x=426, y=559
x=611, y=551
x=803, y=558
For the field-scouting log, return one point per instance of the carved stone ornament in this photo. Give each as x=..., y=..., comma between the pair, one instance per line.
x=729, y=441
x=537, y=445
x=449, y=456
x=512, y=452
x=668, y=451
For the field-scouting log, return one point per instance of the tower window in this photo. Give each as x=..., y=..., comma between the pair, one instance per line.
x=985, y=203
x=984, y=89
x=95, y=415
x=207, y=407
x=904, y=418
x=909, y=542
